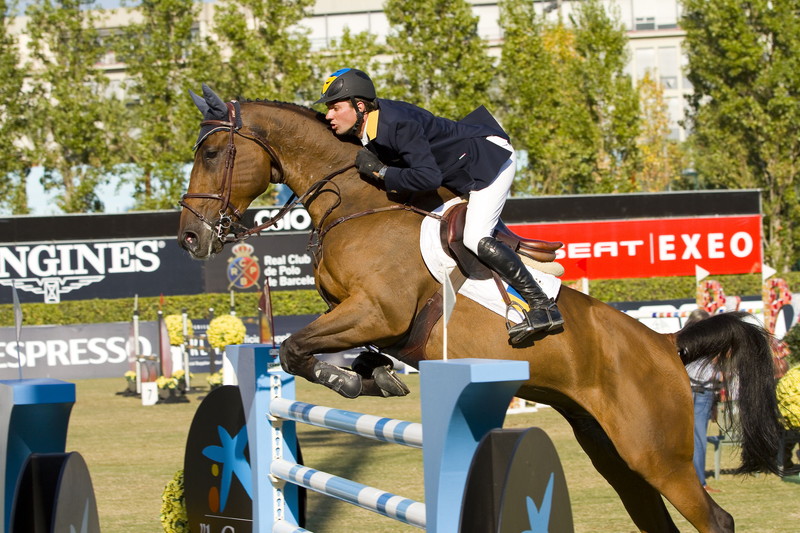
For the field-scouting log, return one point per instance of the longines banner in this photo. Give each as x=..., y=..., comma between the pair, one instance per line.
x=605, y=236
x=55, y=271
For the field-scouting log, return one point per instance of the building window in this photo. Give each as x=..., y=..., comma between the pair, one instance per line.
x=645, y=23
x=645, y=59
x=668, y=70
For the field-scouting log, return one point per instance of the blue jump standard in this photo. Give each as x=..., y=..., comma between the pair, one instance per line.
x=34, y=415
x=461, y=399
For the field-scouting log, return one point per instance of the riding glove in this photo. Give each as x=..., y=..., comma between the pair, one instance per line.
x=368, y=164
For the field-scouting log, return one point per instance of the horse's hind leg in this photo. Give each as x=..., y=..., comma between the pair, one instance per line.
x=641, y=471
x=642, y=501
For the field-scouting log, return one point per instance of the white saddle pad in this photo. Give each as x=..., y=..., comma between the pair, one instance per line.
x=482, y=291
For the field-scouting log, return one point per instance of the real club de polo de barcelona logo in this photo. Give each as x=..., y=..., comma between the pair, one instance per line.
x=243, y=269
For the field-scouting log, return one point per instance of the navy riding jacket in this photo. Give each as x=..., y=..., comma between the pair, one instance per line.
x=425, y=152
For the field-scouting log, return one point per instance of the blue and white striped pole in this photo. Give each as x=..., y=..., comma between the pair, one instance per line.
x=369, y=426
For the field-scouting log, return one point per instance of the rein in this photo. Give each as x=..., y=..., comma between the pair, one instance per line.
x=225, y=225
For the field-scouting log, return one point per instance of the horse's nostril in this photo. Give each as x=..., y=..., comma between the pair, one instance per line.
x=189, y=240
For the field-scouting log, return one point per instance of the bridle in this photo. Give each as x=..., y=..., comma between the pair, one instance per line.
x=226, y=222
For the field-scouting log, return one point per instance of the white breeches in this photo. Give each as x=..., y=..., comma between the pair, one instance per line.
x=484, y=206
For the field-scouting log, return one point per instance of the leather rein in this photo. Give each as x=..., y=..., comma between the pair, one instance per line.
x=226, y=227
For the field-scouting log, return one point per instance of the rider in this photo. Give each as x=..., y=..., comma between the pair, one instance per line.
x=409, y=149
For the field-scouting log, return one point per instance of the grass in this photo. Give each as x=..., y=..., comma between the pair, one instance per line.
x=133, y=451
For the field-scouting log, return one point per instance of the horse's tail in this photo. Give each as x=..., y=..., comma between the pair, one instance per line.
x=744, y=357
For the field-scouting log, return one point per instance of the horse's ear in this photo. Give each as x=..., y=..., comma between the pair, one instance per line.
x=216, y=107
x=199, y=102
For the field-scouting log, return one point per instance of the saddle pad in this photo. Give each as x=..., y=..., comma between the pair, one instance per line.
x=483, y=291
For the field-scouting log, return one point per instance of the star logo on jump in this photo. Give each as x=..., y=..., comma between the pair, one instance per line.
x=243, y=268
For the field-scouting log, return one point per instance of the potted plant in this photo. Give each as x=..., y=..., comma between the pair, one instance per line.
x=166, y=387
x=130, y=379
x=224, y=330
x=175, y=329
x=215, y=380
x=180, y=378
x=173, y=506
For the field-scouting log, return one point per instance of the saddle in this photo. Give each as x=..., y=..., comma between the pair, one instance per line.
x=540, y=254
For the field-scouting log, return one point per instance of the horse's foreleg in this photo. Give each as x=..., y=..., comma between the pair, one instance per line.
x=353, y=323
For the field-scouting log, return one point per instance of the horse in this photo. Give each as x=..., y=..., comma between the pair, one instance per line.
x=621, y=386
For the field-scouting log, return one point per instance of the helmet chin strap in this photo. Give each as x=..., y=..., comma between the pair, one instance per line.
x=359, y=118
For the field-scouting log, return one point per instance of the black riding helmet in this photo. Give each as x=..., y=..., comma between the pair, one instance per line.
x=347, y=84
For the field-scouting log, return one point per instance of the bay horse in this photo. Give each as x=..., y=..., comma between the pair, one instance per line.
x=622, y=386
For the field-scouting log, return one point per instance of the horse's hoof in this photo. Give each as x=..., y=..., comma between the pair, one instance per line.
x=390, y=385
x=345, y=382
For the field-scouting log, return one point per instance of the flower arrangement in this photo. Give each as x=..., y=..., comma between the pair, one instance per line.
x=215, y=380
x=788, y=393
x=130, y=376
x=173, y=506
x=224, y=330
x=163, y=382
x=175, y=328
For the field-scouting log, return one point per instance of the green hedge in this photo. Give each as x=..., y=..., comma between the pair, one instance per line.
x=197, y=306
x=309, y=302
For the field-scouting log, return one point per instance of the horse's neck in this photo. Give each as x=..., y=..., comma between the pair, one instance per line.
x=310, y=153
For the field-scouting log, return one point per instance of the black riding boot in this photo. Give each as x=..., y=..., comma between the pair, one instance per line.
x=543, y=314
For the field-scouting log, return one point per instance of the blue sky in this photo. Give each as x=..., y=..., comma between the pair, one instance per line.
x=43, y=203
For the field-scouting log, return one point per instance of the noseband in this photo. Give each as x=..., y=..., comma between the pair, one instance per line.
x=233, y=126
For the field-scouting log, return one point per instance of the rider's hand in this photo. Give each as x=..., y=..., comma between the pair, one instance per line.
x=368, y=164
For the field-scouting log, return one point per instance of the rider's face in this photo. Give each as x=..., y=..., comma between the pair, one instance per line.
x=342, y=117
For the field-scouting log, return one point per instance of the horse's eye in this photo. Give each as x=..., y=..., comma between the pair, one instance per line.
x=210, y=154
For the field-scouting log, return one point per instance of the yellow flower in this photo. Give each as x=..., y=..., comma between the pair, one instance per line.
x=215, y=379
x=163, y=382
x=175, y=328
x=130, y=375
x=225, y=330
x=173, y=506
x=788, y=393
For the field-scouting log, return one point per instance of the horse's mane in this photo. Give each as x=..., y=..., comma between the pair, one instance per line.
x=305, y=111
x=311, y=113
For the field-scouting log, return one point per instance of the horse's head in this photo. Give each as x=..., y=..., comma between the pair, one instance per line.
x=217, y=195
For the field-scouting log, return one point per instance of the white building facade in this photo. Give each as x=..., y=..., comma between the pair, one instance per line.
x=655, y=39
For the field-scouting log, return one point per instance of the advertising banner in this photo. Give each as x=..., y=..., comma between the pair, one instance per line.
x=56, y=271
x=653, y=247
x=72, y=352
x=87, y=351
x=607, y=236
x=280, y=258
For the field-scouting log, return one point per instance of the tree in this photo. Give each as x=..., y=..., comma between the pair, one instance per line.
x=439, y=60
x=269, y=53
x=744, y=64
x=601, y=44
x=75, y=127
x=164, y=59
x=568, y=104
x=15, y=160
x=360, y=50
x=661, y=158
